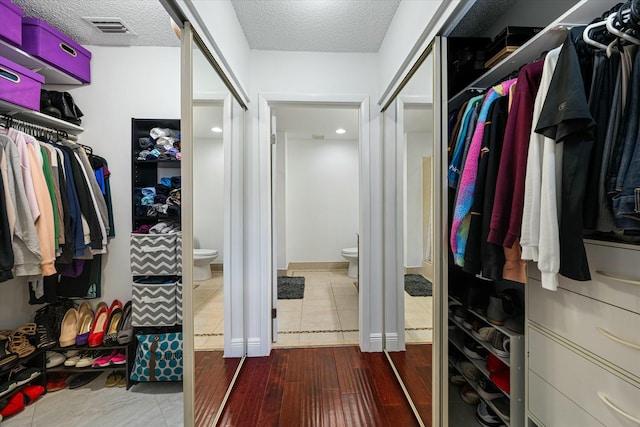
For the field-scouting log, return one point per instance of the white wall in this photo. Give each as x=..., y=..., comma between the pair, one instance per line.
x=408, y=24
x=218, y=25
x=281, y=200
x=140, y=82
x=208, y=190
x=418, y=145
x=322, y=199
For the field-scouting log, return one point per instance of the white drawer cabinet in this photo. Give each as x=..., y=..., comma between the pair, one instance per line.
x=552, y=408
x=605, y=396
x=615, y=275
x=605, y=330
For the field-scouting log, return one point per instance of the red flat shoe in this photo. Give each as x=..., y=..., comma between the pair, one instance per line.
x=99, y=325
x=32, y=393
x=14, y=405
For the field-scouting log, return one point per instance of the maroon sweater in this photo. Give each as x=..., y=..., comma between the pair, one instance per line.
x=506, y=218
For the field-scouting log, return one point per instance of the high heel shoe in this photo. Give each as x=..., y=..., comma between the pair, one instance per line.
x=84, y=327
x=69, y=328
x=96, y=335
x=125, y=330
x=111, y=334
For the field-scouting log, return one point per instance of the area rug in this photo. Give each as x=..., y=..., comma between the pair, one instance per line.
x=417, y=286
x=290, y=287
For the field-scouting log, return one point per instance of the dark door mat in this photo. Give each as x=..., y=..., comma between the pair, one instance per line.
x=417, y=286
x=290, y=287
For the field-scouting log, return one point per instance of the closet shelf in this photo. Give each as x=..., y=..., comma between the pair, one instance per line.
x=474, y=385
x=51, y=74
x=507, y=332
x=163, y=163
x=549, y=38
x=38, y=118
x=484, y=344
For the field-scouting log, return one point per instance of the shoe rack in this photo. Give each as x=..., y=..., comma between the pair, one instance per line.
x=128, y=350
x=515, y=362
x=34, y=360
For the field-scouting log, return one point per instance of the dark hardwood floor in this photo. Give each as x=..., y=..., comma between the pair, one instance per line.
x=327, y=386
x=414, y=367
x=213, y=375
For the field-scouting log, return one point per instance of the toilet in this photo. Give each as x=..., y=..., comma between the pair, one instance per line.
x=202, y=259
x=351, y=255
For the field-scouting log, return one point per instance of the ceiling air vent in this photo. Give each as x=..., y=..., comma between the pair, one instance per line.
x=316, y=136
x=110, y=25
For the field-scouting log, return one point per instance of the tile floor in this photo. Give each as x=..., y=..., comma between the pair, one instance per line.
x=151, y=404
x=208, y=318
x=328, y=313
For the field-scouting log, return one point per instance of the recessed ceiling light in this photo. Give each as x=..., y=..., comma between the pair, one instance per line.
x=216, y=129
x=340, y=131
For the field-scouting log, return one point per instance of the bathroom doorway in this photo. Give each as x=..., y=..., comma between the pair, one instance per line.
x=315, y=219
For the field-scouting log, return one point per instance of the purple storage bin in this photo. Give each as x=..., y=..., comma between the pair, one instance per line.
x=10, y=22
x=50, y=45
x=19, y=85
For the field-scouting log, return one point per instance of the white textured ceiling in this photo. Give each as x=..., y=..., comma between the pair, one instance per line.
x=147, y=18
x=303, y=122
x=315, y=25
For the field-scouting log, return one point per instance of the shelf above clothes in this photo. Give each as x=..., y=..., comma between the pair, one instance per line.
x=38, y=118
x=549, y=38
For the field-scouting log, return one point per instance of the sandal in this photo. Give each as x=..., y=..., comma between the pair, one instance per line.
x=7, y=357
x=20, y=345
x=27, y=329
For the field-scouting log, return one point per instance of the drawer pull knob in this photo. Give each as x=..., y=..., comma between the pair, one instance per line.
x=607, y=402
x=618, y=278
x=620, y=340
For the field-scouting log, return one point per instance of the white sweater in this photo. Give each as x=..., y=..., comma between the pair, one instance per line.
x=540, y=238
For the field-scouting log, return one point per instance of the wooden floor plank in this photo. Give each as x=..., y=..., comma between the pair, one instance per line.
x=317, y=387
x=210, y=394
x=414, y=367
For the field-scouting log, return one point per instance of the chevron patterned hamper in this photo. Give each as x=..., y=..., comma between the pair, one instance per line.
x=179, y=254
x=153, y=304
x=154, y=255
x=179, y=302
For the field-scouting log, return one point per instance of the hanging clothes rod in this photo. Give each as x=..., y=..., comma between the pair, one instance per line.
x=32, y=128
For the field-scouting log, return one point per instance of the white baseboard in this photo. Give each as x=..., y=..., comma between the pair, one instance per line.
x=236, y=348
x=254, y=348
x=392, y=342
x=374, y=345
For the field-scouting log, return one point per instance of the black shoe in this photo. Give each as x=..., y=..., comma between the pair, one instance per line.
x=46, y=106
x=473, y=349
x=82, y=378
x=488, y=390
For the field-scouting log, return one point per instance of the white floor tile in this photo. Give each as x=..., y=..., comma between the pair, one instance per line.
x=349, y=319
x=320, y=321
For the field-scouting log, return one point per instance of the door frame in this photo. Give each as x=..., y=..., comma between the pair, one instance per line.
x=368, y=299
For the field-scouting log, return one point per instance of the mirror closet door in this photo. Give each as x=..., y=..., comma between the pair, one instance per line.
x=212, y=137
x=412, y=155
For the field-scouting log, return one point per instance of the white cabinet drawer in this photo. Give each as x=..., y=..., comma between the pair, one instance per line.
x=605, y=330
x=615, y=276
x=584, y=382
x=553, y=408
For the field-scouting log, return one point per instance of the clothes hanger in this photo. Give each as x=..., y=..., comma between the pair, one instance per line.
x=587, y=38
x=615, y=31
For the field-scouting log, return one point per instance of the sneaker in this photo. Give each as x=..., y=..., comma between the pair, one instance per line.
x=473, y=349
x=469, y=395
x=482, y=331
x=457, y=379
x=488, y=390
x=459, y=313
x=502, y=408
x=54, y=359
x=22, y=374
x=486, y=416
x=501, y=344
x=469, y=370
x=88, y=359
x=7, y=387
x=468, y=320
x=73, y=360
x=501, y=307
